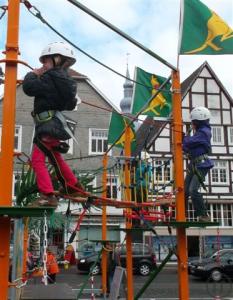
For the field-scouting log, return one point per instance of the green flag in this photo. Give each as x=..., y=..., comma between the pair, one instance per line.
x=203, y=31
x=147, y=86
x=118, y=123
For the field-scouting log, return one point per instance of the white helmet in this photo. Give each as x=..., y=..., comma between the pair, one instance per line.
x=200, y=113
x=60, y=48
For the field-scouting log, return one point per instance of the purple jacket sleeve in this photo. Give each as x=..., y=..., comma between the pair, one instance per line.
x=199, y=138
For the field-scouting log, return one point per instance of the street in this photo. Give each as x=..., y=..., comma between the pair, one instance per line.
x=165, y=286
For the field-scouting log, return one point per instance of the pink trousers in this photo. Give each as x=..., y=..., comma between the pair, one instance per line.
x=43, y=178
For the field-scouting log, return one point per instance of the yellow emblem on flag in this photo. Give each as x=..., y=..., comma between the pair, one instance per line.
x=159, y=100
x=216, y=27
x=121, y=140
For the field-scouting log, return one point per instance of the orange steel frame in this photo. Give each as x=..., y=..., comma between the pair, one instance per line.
x=177, y=129
x=129, y=265
x=7, y=140
x=6, y=168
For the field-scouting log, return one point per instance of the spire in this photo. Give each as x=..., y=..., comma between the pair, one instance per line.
x=125, y=103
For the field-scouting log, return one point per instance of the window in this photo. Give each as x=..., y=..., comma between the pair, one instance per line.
x=216, y=212
x=191, y=212
x=112, y=183
x=222, y=213
x=17, y=139
x=217, y=135
x=162, y=170
x=230, y=135
x=227, y=214
x=219, y=174
x=98, y=141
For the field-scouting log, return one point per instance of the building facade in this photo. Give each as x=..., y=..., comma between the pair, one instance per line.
x=91, y=122
x=203, y=88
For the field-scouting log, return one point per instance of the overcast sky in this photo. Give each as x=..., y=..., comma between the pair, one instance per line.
x=153, y=23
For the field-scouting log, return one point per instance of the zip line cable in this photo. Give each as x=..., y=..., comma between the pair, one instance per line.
x=37, y=14
x=121, y=33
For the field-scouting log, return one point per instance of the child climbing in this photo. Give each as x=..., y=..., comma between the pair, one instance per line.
x=54, y=91
x=197, y=147
x=142, y=178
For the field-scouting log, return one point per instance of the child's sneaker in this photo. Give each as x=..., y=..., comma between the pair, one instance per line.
x=48, y=200
x=204, y=219
x=72, y=191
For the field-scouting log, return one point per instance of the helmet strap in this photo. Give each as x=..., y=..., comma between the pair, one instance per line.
x=57, y=59
x=66, y=63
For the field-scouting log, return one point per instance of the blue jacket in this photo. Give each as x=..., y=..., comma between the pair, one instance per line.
x=143, y=175
x=199, y=144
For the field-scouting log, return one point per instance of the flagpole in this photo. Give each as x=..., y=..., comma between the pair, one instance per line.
x=180, y=31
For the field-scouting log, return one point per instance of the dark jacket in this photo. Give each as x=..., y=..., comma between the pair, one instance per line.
x=199, y=144
x=54, y=90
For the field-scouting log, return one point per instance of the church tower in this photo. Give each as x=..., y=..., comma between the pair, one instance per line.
x=125, y=103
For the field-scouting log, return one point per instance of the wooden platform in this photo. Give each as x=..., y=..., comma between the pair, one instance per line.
x=19, y=211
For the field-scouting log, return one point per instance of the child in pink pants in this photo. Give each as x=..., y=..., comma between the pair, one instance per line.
x=53, y=91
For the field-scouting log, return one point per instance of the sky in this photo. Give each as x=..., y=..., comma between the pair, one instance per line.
x=153, y=23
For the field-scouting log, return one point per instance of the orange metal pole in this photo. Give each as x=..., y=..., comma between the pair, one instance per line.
x=179, y=183
x=129, y=265
x=7, y=140
x=104, y=225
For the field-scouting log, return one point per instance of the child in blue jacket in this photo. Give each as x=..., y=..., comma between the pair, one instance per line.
x=197, y=147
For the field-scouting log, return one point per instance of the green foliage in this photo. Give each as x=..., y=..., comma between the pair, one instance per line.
x=26, y=187
x=86, y=180
x=55, y=221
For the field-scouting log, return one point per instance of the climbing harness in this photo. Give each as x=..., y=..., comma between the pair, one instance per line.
x=61, y=117
x=53, y=160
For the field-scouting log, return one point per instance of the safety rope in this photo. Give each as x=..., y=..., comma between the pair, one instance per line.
x=77, y=228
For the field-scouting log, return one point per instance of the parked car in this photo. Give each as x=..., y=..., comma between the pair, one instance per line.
x=144, y=259
x=207, y=255
x=215, y=268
